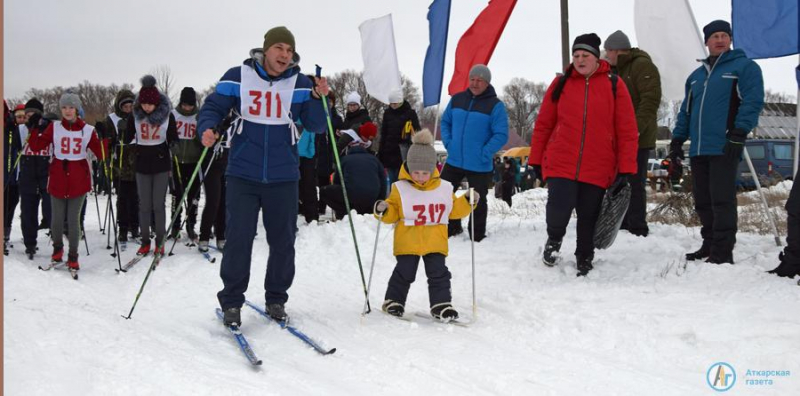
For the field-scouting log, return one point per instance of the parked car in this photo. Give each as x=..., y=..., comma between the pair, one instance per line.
x=772, y=161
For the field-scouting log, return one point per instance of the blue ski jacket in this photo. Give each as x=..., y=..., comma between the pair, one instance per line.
x=263, y=153
x=719, y=98
x=473, y=129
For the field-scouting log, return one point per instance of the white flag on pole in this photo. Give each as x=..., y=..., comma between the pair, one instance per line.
x=381, y=71
x=668, y=32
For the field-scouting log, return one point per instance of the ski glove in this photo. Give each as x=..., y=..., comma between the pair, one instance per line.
x=473, y=200
x=735, y=144
x=380, y=207
x=621, y=181
x=676, y=150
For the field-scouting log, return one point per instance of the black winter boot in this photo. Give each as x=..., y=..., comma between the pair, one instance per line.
x=393, y=308
x=444, y=312
x=550, y=256
x=786, y=269
x=700, y=254
x=233, y=317
x=276, y=311
x=584, y=264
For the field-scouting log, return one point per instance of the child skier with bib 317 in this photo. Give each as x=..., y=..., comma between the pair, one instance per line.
x=421, y=204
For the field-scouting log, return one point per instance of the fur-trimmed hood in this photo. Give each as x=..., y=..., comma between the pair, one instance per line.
x=158, y=116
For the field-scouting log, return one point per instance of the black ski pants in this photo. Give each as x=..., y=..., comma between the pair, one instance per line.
x=309, y=206
x=127, y=205
x=635, y=219
x=214, y=211
x=480, y=182
x=564, y=196
x=406, y=271
x=714, y=190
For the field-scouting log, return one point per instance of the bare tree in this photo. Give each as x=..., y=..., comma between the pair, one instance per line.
x=428, y=119
x=97, y=100
x=164, y=80
x=777, y=97
x=523, y=98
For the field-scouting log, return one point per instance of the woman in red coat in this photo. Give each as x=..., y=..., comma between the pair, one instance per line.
x=585, y=140
x=70, y=178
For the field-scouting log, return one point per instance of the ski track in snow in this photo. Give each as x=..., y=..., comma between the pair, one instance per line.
x=639, y=324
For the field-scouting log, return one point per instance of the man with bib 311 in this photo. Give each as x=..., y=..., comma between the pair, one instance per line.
x=268, y=92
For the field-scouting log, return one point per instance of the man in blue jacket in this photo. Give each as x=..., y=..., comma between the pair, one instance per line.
x=474, y=127
x=724, y=97
x=271, y=95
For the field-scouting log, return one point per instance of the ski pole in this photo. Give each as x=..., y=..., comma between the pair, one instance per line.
x=471, y=191
x=85, y=242
x=97, y=205
x=372, y=265
x=160, y=244
x=109, y=181
x=344, y=189
x=175, y=242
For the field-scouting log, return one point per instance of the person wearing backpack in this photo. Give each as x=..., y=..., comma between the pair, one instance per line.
x=585, y=140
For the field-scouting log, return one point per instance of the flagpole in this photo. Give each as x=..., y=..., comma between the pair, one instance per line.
x=797, y=135
x=565, y=58
x=436, y=125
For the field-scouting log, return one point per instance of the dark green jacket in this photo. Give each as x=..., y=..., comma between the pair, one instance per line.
x=644, y=84
x=187, y=151
x=122, y=160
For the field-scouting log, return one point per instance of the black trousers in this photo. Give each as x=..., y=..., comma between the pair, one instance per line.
x=127, y=205
x=214, y=211
x=9, y=206
x=333, y=196
x=309, y=206
x=480, y=182
x=714, y=190
x=322, y=181
x=792, y=250
x=564, y=196
x=635, y=219
x=31, y=192
x=180, y=179
x=406, y=271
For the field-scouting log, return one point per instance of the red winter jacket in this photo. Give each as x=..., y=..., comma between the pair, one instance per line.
x=68, y=179
x=588, y=135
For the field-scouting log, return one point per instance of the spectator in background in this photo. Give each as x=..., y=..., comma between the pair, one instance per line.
x=635, y=67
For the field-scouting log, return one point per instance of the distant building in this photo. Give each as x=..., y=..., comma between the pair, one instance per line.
x=777, y=121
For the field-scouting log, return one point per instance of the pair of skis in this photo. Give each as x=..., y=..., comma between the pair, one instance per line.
x=248, y=351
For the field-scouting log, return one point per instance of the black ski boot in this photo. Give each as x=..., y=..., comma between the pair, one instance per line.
x=277, y=312
x=393, y=308
x=700, y=254
x=233, y=317
x=444, y=312
x=550, y=256
x=584, y=264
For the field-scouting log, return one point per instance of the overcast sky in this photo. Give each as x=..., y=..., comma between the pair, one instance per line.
x=57, y=42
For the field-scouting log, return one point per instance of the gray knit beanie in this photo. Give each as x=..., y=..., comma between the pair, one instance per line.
x=421, y=155
x=482, y=72
x=70, y=99
x=617, y=41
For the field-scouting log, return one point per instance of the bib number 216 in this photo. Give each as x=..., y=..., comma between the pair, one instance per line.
x=431, y=214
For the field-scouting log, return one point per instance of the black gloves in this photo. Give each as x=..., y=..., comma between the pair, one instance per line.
x=537, y=172
x=676, y=150
x=735, y=144
x=621, y=181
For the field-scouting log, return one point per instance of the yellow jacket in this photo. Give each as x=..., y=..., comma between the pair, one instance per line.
x=420, y=240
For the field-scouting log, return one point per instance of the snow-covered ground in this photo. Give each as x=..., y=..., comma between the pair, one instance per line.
x=640, y=324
